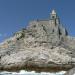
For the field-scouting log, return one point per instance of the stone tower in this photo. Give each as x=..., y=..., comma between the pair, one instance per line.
x=53, y=14
x=54, y=19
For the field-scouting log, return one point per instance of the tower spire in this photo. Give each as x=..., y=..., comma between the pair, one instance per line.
x=53, y=12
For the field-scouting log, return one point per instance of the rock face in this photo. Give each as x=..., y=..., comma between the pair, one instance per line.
x=71, y=72
x=43, y=45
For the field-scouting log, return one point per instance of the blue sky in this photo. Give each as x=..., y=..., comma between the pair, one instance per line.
x=16, y=14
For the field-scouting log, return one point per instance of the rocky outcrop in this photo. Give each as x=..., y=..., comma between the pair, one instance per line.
x=44, y=46
x=71, y=72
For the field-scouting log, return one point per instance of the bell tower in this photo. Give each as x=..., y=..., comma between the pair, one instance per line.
x=54, y=18
x=53, y=14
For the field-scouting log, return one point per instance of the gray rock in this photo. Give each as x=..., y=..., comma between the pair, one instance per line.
x=71, y=72
x=43, y=45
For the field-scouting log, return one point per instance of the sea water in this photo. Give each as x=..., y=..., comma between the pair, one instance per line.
x=23, y=72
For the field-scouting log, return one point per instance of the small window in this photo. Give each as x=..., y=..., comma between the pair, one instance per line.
x=34, y=26
x=60, y=32
x=53, y=17
x=53, y=30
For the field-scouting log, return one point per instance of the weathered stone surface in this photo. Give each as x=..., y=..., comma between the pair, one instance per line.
x=43, y=45
x=71, y=72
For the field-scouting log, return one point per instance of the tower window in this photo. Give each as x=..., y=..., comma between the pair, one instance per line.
x=60, y=32
x=53, y=17
x=34, y=26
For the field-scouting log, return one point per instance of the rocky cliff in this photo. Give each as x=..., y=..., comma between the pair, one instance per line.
x=43, y=46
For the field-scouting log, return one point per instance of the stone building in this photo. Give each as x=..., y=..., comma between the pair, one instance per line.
x=50, y=30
